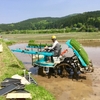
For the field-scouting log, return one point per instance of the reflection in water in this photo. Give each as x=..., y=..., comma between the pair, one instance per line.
x=93, y=53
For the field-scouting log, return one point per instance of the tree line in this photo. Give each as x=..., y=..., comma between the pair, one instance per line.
x=82, y=22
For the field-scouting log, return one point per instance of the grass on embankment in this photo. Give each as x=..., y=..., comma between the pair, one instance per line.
x=10, y=65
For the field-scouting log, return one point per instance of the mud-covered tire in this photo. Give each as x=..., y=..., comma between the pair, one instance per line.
x=90, y=67
x=40, y=71
x=62, y=67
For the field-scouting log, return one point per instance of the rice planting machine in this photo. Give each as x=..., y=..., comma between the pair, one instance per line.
x=61, y=65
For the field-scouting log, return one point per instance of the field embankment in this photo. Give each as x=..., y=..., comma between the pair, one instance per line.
x=10, y=65
x=85, y=38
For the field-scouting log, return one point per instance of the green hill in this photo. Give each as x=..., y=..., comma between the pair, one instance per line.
x=87, y=21
x=30, y=24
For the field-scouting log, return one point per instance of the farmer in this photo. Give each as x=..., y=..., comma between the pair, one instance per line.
x=56, y=48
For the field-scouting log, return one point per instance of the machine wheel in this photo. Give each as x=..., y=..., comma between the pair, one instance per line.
x=41, y=71
x=63, y=69
x=90, y=66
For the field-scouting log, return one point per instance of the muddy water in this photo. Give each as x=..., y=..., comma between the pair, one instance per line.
x=93, y=53
x=25, y=58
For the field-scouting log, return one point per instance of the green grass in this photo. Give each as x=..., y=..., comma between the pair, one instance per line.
x=39, y=93
x=10, y=65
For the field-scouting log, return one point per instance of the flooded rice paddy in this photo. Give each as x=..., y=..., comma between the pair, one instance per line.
x=92, y=51
x=64, y=88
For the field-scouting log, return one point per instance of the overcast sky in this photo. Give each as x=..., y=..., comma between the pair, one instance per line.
x=12, y=11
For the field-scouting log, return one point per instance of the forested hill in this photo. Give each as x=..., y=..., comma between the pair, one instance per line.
x=30, y=24
x=87, y=21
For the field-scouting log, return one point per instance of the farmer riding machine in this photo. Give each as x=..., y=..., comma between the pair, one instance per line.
x=60, y=66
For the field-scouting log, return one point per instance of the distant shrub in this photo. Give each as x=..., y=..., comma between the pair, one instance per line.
x=10, y=42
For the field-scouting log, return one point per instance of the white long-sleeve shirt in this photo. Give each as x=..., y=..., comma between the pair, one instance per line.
x=54, y=44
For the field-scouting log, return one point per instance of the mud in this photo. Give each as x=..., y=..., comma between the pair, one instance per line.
x=65, y=88
x=87, y=88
